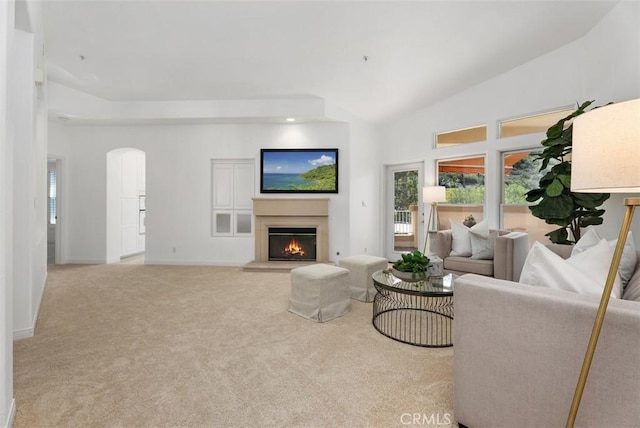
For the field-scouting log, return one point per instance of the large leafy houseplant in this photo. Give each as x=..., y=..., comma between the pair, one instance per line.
x=557, y=204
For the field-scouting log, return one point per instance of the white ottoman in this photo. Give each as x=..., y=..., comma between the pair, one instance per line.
x=319, y=292
x=361, y=267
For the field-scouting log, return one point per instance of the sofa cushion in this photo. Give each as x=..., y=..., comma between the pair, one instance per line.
x=632, y=291
x=628, y=260
x=461, y=242
x=584, y=273
x=482, y=245
x=469, y=265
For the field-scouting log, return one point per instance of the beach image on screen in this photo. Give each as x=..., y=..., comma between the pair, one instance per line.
x=304, y=171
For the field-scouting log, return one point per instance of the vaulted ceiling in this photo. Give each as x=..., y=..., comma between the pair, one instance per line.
x=376, y=59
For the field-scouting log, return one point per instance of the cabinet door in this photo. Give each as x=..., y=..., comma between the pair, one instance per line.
x=244, y=186
x=244, y=223
x=223, y=186
x=223, y=223
x=233, y=186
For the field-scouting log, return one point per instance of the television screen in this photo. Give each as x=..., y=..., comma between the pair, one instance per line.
x=299, y=171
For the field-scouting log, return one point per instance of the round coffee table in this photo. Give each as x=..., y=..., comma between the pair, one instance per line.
x=418, y=313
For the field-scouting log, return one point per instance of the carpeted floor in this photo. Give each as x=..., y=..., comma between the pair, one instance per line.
x=173, y=346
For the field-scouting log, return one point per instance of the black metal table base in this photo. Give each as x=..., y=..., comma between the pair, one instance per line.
x=414, y=319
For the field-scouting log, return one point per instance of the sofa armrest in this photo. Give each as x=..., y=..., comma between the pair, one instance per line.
x=444, y=240
x=510, y=253
x=519, y=350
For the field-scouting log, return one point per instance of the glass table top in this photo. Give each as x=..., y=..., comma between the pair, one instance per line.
x=432, y=286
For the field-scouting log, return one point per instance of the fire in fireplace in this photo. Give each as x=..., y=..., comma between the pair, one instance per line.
x=292, y=243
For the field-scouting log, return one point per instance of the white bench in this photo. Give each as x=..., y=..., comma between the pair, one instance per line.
x=361, y=267
x=319, y=292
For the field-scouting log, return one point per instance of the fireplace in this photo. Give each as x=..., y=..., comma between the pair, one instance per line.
x=292, y=244
x=291, y=213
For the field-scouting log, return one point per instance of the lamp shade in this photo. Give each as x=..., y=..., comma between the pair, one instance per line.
x=434, y=194
x=605, y=156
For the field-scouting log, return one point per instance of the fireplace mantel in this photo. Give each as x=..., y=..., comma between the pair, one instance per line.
x=291, y=212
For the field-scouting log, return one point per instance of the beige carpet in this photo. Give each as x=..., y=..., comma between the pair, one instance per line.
x=173, y=346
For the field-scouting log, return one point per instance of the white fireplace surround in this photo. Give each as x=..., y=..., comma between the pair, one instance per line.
x=291, y=212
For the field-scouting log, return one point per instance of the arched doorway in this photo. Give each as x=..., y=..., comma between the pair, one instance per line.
x=126, y=206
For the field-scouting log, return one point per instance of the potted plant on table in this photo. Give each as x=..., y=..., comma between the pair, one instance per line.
x=411, y=267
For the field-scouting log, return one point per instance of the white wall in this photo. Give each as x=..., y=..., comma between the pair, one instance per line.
x=6, y=214
x=612, y=65
x=29, y=224
x=178, y=186
x=29, y=174
x=365, y=184
x=603, y=64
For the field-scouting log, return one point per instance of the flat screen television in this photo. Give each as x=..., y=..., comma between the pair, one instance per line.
x=299, y=171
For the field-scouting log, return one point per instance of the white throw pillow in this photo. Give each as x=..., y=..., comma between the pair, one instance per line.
x=627, y=261
x=461, y=242
x=632, y=291
x=584, y=273
x=482, y=246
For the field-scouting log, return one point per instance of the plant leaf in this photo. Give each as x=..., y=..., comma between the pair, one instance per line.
x=555, y=188
x=534, y=195
x=590, y=221
x=555, y=208
x=559, y=236
x=565, y=180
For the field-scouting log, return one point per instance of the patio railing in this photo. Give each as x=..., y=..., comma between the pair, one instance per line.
x=402, y=221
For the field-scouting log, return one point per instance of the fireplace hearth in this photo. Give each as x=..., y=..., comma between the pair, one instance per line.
x=292, y=244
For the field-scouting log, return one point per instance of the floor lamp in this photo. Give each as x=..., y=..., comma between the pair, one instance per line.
x=432, y=195
x=605, y=154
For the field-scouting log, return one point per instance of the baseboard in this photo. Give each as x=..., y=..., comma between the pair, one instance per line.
x=11, y=416
x=83, y=262
x=23, y=334
x=30, y=331
x=126, y=256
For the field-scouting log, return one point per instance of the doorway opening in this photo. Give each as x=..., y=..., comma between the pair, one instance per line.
x=403, y=209
x=54, y=251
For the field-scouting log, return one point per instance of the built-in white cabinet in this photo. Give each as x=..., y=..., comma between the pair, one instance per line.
x=233, y=187
x=132, y=189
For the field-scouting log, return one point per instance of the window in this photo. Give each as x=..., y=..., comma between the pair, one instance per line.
x=531, y=124
x=53, y=197
x=461, y=136
x=464, y=180
x=521, y=173
x=233, y=186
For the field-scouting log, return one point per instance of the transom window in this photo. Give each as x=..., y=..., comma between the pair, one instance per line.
x=531, y=124
x=461, y=136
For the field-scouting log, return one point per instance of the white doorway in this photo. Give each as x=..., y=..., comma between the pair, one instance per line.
x=403, y=210
x=54, y=218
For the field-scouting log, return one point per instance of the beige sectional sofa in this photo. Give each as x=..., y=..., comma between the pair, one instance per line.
x=511, y=250
x=518, y=350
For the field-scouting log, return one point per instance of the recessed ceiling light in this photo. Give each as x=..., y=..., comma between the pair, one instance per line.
x=291, y=119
